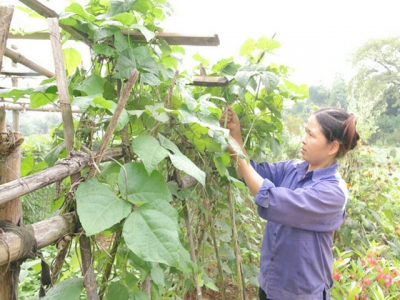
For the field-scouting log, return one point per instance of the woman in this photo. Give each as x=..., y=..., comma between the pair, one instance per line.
x=303, y=202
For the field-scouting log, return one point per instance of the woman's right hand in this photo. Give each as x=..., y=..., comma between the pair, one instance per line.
x=230, y=120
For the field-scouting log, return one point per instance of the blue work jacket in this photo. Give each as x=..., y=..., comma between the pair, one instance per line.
x=302, y=209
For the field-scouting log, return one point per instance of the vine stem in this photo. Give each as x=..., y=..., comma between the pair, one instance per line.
x=239, y=268
x=110, y=263
x=191, y=243
x=123, y=98
x=219, y=266
x=214, y=239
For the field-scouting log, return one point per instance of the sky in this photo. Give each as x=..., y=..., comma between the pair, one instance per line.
x=316, y=36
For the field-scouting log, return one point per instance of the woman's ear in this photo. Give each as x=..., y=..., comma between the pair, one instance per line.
x=334, y=148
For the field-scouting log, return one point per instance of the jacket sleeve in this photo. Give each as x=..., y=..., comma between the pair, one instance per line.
x=274, y=172
x=319, y=207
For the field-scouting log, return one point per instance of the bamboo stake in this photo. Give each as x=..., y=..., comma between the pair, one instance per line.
x=239, y=268
x=44, y=108
x=76, y=162
x=215, y=244
x=192, y=248
x=123, y=98
x=219, y=266
x=89, y=278
x=19, y=58
x=63, y=93
x=6, y=13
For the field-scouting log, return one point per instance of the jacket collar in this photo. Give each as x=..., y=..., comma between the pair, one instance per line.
x=316, y=174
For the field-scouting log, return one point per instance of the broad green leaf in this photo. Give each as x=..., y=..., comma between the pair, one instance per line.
x=118, y=7
x=165, y=73
x=68, y=289
x=299, y=91
x=243, y=77
x=266, y=44
x=142, y=187
x=157, y=275
x=27, y=165
x=149, y=150
x=181, y=161
x=165, y=48
x=139, y=264
x=143, y=6
x=52, y=156
x=185, y=262
x=120, y=42
x=123, y=118
x=178, y=49
x=170, y=62
x=148, y=64
x=229, y=70
x=139, y=295
x=116, y=290
x=126, y=63
x=14, y=93
x=98, y=207
x=103, y=49
x=125, y=18
x=110, y=173
x=201, y=59
x=150, y=79
x=83, y=102
x=103, y=103
x=101, y=33
x=39, y=99
x=80, y=11
x=145, y=60
x=153, y=235
x=275, y=146
x=122, y=121
x=270, y=81
x=72, y=59
x=92, y=85
x=247, y=47
x=157, y=111
x=149, y=35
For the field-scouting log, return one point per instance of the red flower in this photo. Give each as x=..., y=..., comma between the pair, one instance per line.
x=336, y=276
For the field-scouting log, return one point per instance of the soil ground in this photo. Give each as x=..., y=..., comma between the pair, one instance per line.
x=230, y=291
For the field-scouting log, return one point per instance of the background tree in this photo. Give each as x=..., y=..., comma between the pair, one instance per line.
x=376, y=84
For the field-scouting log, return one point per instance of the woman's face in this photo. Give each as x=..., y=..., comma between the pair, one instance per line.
x=316, y=149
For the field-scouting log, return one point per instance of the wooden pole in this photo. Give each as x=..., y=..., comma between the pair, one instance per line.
x=89, y=278
x=46, y=232
x=19, y=58
x=10, y=162
x=123, y=98
x=14, y=82
x=6, y=13
x=46, y=12
x=65, y=103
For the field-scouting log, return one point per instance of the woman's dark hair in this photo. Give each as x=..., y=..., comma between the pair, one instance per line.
x=338, y=125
